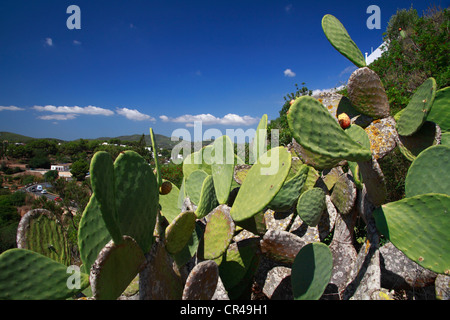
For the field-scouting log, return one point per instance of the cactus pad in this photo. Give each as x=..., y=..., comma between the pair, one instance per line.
x=169, y=203
x=311, y=271
x=179, y=232
x=92, y=234
x=317, y=131
x=367, y=94
x=344, y=194
x=374, y=181
x=27, y=275
x=416, y=112
x=39, y=231
x=137, y=198
x=208, y=199
x=202, y=281
x=194, y=184
x=259, y=144
x=311, y=205
x=429, y=172
x=103, y=186
x=440, y=112
x=262, y=183
x=125, y=259
x=222, y=167
x=155, y=153
x=418, y=226
x=290, y=191
x=413, y=145
x=218, y=232
x=341, y=41
x=281, y=246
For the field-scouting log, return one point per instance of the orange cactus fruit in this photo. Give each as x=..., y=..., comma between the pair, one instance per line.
x=344, y=120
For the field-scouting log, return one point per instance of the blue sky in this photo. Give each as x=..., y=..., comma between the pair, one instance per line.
x=163, y=64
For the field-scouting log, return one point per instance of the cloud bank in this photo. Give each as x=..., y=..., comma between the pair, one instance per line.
x=208, y=119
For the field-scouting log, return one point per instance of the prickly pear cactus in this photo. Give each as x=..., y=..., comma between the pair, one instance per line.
x=416, y=112
x=264, y=180
x=317, y=131
x=28, y=275
x=311, y=271
x=39, y=231
x=418, y=227
x=341, y=40
x=218, y=233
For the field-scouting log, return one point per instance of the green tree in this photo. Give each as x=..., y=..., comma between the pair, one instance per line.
x=417, y=48
x=79, y=169
x=51, y=175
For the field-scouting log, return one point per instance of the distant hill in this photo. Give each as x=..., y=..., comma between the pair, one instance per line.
x=161, y=141
x=14, y=137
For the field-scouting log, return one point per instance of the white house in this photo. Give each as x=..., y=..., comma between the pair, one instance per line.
x=60, y=167
x=376, y=54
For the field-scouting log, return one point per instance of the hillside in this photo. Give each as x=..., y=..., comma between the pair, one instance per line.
x=161, y=141
x=14, y=137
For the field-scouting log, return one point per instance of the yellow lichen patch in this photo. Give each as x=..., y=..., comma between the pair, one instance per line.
x=330, y=107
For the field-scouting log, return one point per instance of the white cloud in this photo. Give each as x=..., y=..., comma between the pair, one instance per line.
x=208, y=119
x=49, y=42
x=11, y=108
x=332, y=90
x=133, y=114
x=288, y=8
x=76, y=42
x=76, y=110
x=58, y=117
x=289, y=73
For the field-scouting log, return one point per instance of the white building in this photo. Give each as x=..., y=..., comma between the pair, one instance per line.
x=376, y=54
x=60, y=167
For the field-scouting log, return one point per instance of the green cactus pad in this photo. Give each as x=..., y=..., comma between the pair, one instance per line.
x=202, y=281
x=182, y=257
x=311, y=205
x=208, y=199
x=237, y=261
x=218, y=232
x=317, y=131
x=413, y=145
x=169, y=203
x=316, y=160
x=27, y=275
x=416, y=112
x=259, y=144
x=92, y=234
x=418, y=226
x=194, y=184
x=311, y=271
x=179, y=232
x=116, y=266
x=39, y=231
x=198, y=161
x=262, y=183
x=222, y=167
x=440, y=112
x=429, y=172
x=103, y=186
x=344, y=194
x=155, y=153
x=137, y=198
x=445, y=139
x=240, y=172
x=290, y=191
x=341, y=41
